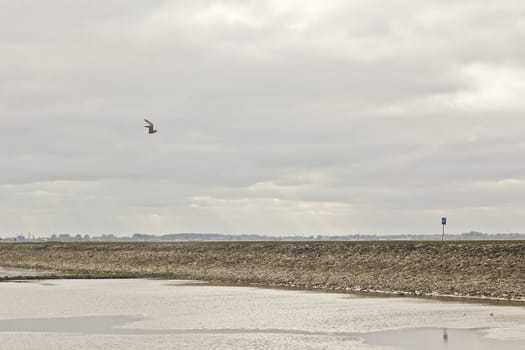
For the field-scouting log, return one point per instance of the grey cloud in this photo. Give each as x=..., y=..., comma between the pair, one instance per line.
x=373, y=111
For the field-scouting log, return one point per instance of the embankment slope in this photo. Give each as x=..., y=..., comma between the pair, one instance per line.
x=493, y=269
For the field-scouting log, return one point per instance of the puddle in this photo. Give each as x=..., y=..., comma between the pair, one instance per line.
x=406, y=339
x=7, y=272
x=186, y=283
x=113, y=324
x=80, y=325
x=439, y=339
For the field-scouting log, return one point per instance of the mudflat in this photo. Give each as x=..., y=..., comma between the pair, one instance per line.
x=489, y=269
x=136, y=314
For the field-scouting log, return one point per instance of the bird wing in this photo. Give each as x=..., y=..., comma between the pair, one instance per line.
x=150, y=124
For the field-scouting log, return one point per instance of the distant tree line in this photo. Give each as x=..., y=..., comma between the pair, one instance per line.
x=202, y=237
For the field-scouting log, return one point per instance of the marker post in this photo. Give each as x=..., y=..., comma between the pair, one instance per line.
x=443, y=222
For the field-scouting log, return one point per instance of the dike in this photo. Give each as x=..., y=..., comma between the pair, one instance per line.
x=480, y=269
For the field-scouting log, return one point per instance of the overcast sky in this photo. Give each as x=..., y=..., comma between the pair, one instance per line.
x=274, y=117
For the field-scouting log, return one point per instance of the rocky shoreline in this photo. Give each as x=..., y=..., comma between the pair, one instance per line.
x=480, y=269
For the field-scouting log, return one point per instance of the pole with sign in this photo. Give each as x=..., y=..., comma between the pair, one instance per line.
x=443, y=222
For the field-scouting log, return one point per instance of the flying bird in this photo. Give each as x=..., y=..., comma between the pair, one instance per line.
x=151, y=129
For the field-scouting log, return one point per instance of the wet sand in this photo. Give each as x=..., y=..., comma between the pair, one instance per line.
x=158, y=314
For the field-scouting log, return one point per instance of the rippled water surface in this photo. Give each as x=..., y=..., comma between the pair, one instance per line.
x=154, y=314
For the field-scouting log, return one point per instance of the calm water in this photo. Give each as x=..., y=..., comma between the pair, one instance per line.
x=12, y=272
x=153, y=314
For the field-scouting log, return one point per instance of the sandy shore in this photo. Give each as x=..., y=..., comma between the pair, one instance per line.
x=489, y=269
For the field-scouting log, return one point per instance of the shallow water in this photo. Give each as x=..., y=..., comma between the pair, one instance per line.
x=13, y=272
x=439, y=339
x=155, y=314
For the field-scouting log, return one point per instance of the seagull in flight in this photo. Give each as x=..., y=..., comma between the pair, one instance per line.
x=151, y=129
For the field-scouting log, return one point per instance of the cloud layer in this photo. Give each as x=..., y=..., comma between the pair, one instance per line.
x=274, y=117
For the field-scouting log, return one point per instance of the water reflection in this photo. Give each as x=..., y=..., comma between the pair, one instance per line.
x=429, y=339
x=408, y=339
x=83, y=325
x=119, y=324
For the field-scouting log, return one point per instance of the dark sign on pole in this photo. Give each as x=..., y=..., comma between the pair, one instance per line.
x=443, y=222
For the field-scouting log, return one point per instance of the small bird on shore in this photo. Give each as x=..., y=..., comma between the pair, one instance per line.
x=151, y=128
